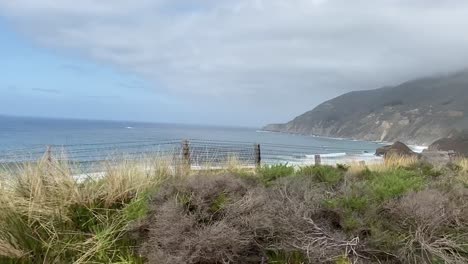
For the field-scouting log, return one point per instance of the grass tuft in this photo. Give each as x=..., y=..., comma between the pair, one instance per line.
x=324, y=174
x=50, y=216
x=269, y=173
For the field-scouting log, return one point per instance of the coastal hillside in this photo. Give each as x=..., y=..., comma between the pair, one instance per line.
x=418, y=112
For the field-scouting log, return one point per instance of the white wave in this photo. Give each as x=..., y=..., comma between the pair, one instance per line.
x=367, y=155
x=343, y=158
x=265, y=131
x=129, y=127
x=328, y=155
x=417, y=148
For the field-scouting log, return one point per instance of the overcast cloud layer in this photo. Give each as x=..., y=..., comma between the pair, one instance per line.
x=263, y=61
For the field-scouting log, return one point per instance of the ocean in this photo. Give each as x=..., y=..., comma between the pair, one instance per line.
x=24, y=138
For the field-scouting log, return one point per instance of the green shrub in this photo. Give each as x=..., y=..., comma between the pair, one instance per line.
x=366, y=173
x=354, y=203
x=424, y=168
x=137, y=208
x=244, y=173
x=219, y=203
x=325, y=174
x=385, y=239
x=348, y=203
x=394, y=183
x=343, y=260
x=331, y=203
x=455, y=167
x=350, y=223
x=350, y=208
x=342, y=167
x=270, y=173
x=282, y=257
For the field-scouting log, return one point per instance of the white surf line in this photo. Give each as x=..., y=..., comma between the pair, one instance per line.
x=418, y=148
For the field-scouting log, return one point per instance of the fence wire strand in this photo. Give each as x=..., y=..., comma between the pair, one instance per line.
x=201, y=151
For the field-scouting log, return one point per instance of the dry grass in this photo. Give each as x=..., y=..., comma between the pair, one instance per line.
x=48, y=216
x=6, y=249
x=429, y=216
x=395, y=161
x=233, y=164
x=462, y=175
x=463, y=163
x=127, y=179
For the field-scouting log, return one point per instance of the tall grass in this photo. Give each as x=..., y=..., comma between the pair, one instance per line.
x=48, y=216
x=463, y=163
x=462, y=175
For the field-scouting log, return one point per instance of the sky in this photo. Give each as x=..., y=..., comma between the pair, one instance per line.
x=223, y=62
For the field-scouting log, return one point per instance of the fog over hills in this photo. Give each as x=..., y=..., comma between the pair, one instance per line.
x=418, y=112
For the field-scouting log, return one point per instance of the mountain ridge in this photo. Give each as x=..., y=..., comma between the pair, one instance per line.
x=418, y=111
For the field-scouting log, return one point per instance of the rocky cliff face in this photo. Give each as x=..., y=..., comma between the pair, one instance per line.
x=416, y=112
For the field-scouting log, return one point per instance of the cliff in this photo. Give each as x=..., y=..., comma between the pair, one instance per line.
x=417, y=112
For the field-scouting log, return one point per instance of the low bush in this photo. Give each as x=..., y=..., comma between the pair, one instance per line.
x=394, y=183
x=351, y=203
x=269, y=173
x=324, y=174
x=433, y=227
x=189, y=222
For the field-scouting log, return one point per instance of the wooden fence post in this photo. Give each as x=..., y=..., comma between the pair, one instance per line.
x=318, y=160
x=186, y=153
x=48, y=154
x=257, y=155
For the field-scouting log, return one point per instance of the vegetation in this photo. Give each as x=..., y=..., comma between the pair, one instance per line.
x=403, y=211
x=270, y=173
x=50, y=217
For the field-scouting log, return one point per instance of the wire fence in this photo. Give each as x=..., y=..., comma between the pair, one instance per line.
x=196, y=152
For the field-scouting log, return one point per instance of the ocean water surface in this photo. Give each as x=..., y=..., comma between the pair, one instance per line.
x=24, y=138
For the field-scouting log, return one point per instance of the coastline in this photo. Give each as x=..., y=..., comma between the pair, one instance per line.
x=415, y=147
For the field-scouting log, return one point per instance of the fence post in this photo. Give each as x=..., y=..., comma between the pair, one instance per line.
x=318, y=160
x=186, y=153
x=48, y=154
x=257, y=155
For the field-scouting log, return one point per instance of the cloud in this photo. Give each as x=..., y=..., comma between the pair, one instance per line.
x=278, y=57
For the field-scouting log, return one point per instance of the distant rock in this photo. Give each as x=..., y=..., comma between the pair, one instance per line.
x=398, y=148
x=438, y=158
x=457, y=143
x=417, y=112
